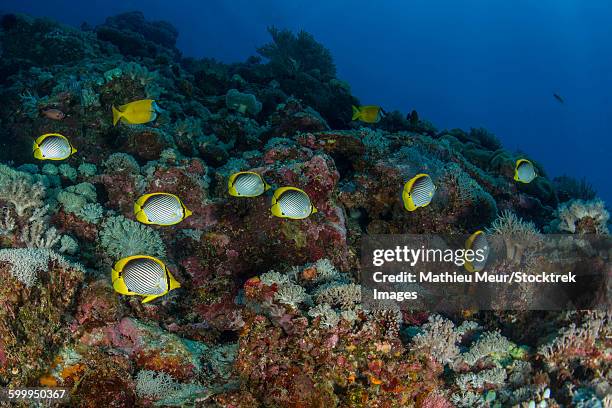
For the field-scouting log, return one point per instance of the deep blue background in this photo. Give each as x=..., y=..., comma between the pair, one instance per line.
x=461, y=64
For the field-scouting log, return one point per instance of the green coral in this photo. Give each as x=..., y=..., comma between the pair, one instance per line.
x=74, y=198
x=67, y=171
x=68, y=245
x=121, y=237
x=50, y=169
x=88, y=169
x=91, y=213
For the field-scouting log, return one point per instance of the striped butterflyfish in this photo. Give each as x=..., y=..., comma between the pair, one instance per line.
x=246, y=184
x=524, y=171
x=291, y=202
x=142, y=275
x=53, y=146
x=418, y=192
x=160, y=209
x=478, y=243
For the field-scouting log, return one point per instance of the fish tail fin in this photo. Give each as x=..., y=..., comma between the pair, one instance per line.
x=355, y=112
x=116, y=115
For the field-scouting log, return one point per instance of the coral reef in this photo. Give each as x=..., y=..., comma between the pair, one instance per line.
x=234, y=335
x=581, y=217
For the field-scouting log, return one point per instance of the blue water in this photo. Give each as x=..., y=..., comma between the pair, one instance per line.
x=459, y=63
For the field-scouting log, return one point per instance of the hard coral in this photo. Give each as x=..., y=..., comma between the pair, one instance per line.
x=33, y=310
x=22, y=194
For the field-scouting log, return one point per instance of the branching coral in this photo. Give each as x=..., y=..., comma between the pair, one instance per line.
x=329, y=317
x=22, y=194
x=335, y=296
x=27, y=263
x=575, y=342
x=68, y=245
x=291, y=294
x=345, y=296
x=509, y=224
x=489, y=345
x=37, y=233
x=439, y=340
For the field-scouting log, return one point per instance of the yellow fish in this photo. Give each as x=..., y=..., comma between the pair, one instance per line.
x=368, y=114
x=291, y=202
x=53, y=146
x=136, y=113
x=143, y=276
x=524, y=171
x=418, y=192
x=246, y=184
x=160, y=209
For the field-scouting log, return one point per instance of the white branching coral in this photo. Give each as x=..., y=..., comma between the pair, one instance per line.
x=343, y=295
x=326, y=271
x=329, y=317
x=291, y=294
x=37, y=234
x=583, y=216
x=439, y=339
x=597, y=325
x=26, y=264
x=490, y=344
x=493, y=376
x=22, y=194
x=319, y=288
x=272, y=277
x=468, y=399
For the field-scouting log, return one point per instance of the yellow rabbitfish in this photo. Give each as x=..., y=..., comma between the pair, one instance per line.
x=368, y=114
x=524, y=171
x=136, y=113
x=291, y=202
x=143, y=275
x=477, y=242
x=160, y=209
x=53, y=146
x=246, y=184
x=418, y=192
